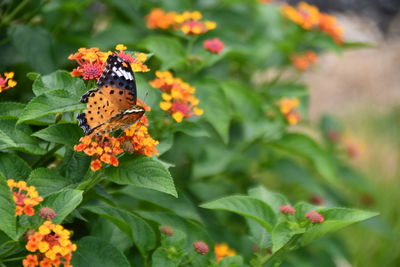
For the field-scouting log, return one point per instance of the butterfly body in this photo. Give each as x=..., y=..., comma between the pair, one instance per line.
x=112, y=105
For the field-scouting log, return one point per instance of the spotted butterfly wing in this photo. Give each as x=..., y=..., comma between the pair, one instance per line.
x=112, y=105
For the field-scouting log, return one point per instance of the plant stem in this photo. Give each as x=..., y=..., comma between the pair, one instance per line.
x=13, y=259
x=47, y=156
x=91, y=181
x=5, y=253
x=8, y=18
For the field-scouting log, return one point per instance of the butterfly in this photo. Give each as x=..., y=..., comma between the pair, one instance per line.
x=112, y=105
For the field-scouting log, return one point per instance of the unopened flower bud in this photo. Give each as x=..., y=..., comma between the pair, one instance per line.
x=200, y=247
x=287, y=209
x=315, y=217
x=47, y=213
x=167, y=230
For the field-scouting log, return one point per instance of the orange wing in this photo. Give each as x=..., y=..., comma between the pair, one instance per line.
x=112, y=105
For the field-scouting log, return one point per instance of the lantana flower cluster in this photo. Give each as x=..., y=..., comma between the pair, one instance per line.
x=187, y=22
x=312, y=216
x=178, y=96
x=106, y=148
x=52, y=245
x=288, y=108
x=91, y=61
x=309, y=17
x=25, y=197
x=304, y=61
x=6, y=81
x=222, y=250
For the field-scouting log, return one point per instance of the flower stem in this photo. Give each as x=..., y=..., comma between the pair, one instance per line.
x=13, y=259
x=8, y=18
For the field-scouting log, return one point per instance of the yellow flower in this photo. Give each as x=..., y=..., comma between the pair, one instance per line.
x=120, y=47
x=223, y=250
x=178, y=116
x=165, y=105
x=9, y=75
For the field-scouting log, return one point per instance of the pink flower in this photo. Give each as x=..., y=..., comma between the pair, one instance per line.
x=214, y=45
x=287, y=209
x=200, y=247
x=315, y=217
x=47, y=213
x=167, y=230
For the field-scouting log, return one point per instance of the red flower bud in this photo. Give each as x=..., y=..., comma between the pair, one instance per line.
x=287, y=209
x=200, y=247
x=47, y=213
x=315, y=217
x=167, y=230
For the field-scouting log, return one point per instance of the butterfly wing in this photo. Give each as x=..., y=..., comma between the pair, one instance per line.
x=111, y=106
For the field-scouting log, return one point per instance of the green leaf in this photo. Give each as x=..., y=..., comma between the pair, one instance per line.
x=335, y=219
x=282, y=234
x=216, y=106
x=34, y=44
x=181, y=206
x=61, y=133
x=63, y=203
x=305, y=147
x=258, y=234
x=194, y=231
x=274, y=200
x=95, y=252
x=160, y=257
x=48, y=181
x=133, y=226
x=10, y=110
x=246, y=206
x=194, y=129
x=13, y=167
x=169, y=50
x=51, y=102
x=18, y=137
x=232, y=261
x=8, y=221
x=58, y=80
x=74, y=165
x=142, y=171
x=288, y=90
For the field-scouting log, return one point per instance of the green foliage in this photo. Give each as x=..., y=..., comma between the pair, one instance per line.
x=215, y=175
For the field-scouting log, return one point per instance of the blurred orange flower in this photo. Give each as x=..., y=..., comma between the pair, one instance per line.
x=288, y=108
x=309, y=18
x=188, y=22
x=52, y=244
x=7, y=81
x=159, y=19
x=223, y=250
x=178, y=96
x=25, y=197
x=304, y=61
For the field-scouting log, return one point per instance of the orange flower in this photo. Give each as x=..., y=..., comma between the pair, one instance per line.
x=287, y=107
x=92, y=61
x=306, y=15
x=309, y=17
x=329, y=25
x=178, y=96
x=25, y=197
x=303, y=61
x=137, y=139
x=30, y=261
x=52, y=245
x=187, y=22
x=223, y=250
x=159, y=19
x=7, y=81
